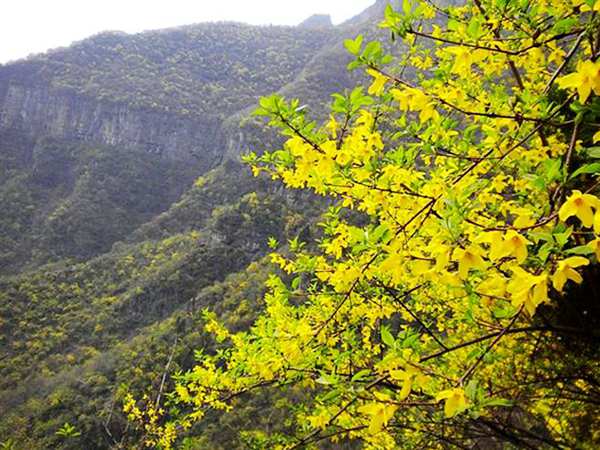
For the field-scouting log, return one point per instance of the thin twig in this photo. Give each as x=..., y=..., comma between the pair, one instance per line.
x=165, y=373
x=471, y=370
x=564, y=63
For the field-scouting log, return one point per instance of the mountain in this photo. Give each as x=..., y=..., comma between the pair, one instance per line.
x=126, y=211
x=93, y=123
x=317, y=21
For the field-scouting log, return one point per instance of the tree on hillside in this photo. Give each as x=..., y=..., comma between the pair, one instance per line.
x=454, y=300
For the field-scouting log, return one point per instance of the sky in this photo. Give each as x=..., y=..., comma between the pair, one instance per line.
x=34, y=26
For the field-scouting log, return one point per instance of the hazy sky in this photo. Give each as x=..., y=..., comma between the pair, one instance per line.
x=33, y=26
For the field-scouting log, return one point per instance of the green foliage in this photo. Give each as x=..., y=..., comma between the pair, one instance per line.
x=432, y=312
x=65, y=327
x=75, y=201
x=213, y=69
x=68, y=431
x=103, y=271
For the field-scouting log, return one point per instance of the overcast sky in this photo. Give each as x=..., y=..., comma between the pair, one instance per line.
x=33, y=26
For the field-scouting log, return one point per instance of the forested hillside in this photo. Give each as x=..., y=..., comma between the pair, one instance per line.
x=126, y=212
x=381, y=234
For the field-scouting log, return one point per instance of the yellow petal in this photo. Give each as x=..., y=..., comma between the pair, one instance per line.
x=585, y=214
x=595, y=246
x=558, y=280
x=567, y=210
x=576, y=261
x=572, y=274
x=521, y=254
x=569, y=81
x=584, y=90
x=406, y=387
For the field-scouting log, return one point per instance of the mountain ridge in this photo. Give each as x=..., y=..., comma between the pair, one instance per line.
x=111, y=245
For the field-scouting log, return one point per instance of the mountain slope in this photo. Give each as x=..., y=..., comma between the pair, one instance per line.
x=103, y=135
x=108, y=248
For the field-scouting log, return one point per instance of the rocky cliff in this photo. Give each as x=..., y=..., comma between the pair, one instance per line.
x=163, y=92
x=41, y=111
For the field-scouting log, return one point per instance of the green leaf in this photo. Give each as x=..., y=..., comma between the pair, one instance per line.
x=471, y=389
x=593, y=152
x=562, y=238
x=545, y=251
x=497, y=402
x=380, y=233
x=387, y=337
x=540, y=236
x=580, y=250
x=552, y=169
x=372, y=50
x=296, y=282
x=540, y=183
x=354, y=45
x=503, y=313
x=359, y=376
x=354, y=65
x=592, y=168
x=474, y=28
x=565, y=24
x=331, y=395
x=453, y=24
x=327, y=379
x=390, y=15
x=273, y=243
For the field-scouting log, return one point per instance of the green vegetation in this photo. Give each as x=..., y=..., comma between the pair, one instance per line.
x=460, y=255
x=75, y=335
x=206, y=69
x=76, y=200
x=108, y=253
x=126, y=270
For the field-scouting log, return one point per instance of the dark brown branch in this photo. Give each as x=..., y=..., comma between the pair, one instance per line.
x=495, y=49
x=564, y=63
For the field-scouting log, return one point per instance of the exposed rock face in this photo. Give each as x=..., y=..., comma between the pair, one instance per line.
x=38, y=110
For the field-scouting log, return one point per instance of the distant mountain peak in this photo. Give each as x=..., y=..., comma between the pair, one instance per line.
x=375, y=11
x=317, y=21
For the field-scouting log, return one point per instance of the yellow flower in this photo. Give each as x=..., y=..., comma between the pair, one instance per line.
x=595, y=246
x=320, y=420
x=491, y=287
x=597, y=222
x=584, y=7
x=456, y=401
x=378, y=84
x=515, y=245
x=379, y=412
x=407, y=377
x=463, y=59
x=580, y=205
x=494, y=239
x=565, y=271
x=469, y=258
x=586, y=79
x=528, y=290
x=332, y=126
